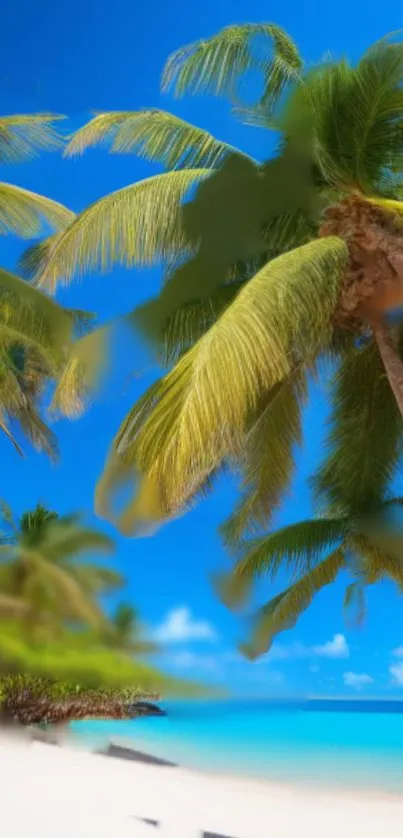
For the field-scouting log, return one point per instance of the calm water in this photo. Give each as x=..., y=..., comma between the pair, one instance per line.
x=335, y=743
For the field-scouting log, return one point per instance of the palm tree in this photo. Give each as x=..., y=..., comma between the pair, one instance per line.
x=126, y=632
x=366, y=542
x=321, y=223
x=40, y=579
x=34, y=333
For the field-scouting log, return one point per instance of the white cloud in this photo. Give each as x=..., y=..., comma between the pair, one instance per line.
x=179, y=627
x=396, y=670
x=336, y=648
x=357, y=680
x=398, y=653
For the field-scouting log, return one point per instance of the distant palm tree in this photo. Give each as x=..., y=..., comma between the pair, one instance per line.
x=34, y=332
x=368, y=543
x=293, y=260
x=40, y=578
x=127, y=633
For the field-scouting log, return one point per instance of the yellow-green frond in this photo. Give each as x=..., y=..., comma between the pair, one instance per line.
x=282, y=612
x=202, y=408
x=137, y=225
x=23, y=135
x=268, y=458
x=26, y=213
x=35, y=258
x=30, y=302
x=215, y=65
x=81, y=374
x=153, y=134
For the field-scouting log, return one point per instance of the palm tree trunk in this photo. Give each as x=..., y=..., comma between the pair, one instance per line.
x=391, y=360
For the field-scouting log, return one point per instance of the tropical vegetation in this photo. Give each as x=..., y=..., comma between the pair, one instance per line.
x=275, y=271
x=35, y=332
x=272, y=268
x=36, y=701
x=53, y=624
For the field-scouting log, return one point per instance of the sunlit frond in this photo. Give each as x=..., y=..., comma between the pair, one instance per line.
x=34, y=259
x=137, y=225
x=26, y=213
x=156, y=135
x=282, y=612
x=23, y=135
x=268, y=458
x=202, y=408
x=193, y=319
x=354, y=477
x=81, y=374
x=216, y=65
x=35, y=307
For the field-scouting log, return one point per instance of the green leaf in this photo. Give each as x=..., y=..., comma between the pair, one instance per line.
x=283, y=611
x=364, y=442
x=267, y=459
x=298, y=547
x=22, y=136
x=217, y=64
x=202, y=408
x=137, y=225
x=26, y=214
x=156, y=135
x=354, y=604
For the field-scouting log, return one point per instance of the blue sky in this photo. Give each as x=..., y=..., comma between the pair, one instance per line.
x=77, y=57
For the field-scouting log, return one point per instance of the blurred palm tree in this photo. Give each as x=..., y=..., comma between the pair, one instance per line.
x=271, y=267
x=127, y=633
x=41, y=581
x=35, y=333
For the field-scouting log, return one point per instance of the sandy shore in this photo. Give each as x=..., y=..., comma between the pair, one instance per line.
x=52, y=792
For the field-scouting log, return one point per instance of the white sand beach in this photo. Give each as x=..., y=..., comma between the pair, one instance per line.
x=58, y=792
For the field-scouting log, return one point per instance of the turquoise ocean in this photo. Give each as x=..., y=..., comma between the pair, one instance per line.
x=355, y=744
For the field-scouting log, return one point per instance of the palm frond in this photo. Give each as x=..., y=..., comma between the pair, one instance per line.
x=22, y=136
x=216, y=65
x=31, y=302
x=193, y=319
x=65, y=541
x=268, y=458
x=81, y=374
x=354, y=477
x=354, y=603
x=9, y=435
x=283, y=611
x=94, y=579
x=76, y=602
x=376, y=562
x=298, y=547
x=35, y=258
x=350, y=118
x=202, y=408
x=26, y=213
x=137, y=225
x=156, y=135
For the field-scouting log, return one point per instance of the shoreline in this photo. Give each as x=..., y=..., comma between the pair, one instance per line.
x=129, y=793
x=123, y=749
